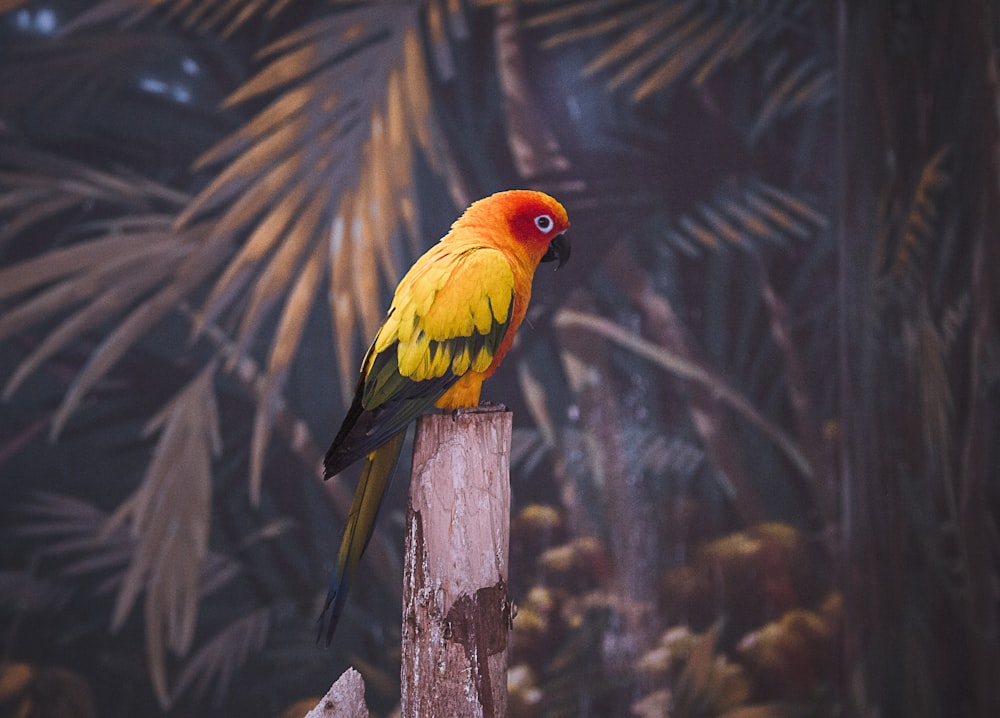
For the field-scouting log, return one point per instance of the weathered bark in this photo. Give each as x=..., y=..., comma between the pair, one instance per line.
x=345, y=699
x=456, y=612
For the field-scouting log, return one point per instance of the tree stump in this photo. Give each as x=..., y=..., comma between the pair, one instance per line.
x=456, y=611
x=345, y=699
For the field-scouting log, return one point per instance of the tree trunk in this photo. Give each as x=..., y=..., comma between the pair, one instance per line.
x=456, y=612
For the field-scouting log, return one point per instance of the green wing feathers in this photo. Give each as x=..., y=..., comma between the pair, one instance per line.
x=449, y=315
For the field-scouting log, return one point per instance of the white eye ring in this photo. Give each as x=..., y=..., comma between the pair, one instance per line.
x=544, y=223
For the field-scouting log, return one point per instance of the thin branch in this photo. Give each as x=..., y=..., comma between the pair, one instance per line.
x=690, y=371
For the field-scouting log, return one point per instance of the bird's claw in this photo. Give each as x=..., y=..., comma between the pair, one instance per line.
x=487, y=407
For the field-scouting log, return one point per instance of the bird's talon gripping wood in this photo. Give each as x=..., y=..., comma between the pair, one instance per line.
x=487, y=407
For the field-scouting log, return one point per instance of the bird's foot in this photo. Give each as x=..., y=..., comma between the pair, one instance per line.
x=487, y=407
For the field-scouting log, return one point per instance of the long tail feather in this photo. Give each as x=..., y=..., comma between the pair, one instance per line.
x=375, y=478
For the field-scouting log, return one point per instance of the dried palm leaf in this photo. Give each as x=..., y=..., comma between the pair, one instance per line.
x=198, y=260
x=353, y=93
x=72, y=531
x=30, y=167
x=291, y=326
x=281, y=273
x=745, y=213
x=805, y=85
x=38, y=211
x=688, y=46
x=443, y=59
x=364, y=270
x=532, y=142
x=57, y=514
x=99, y=555
x=738, y=40
x=36, y=187
x=135, y=258
x=203, y=16
x=39, y=271
x=935, y=396
x=616, y=21
x=653, y=45
x=642, y=46
x=918, y=225
x=123, y=288
x=362, y=250
x=239, y=271
x=80, y=536
x=87, y=282
x=168, y=517
x=221, y=656
x=341, y=293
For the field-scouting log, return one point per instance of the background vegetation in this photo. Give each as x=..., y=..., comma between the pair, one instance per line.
x=755, y=464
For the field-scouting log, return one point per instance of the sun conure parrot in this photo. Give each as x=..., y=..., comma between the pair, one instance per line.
x=452, y=319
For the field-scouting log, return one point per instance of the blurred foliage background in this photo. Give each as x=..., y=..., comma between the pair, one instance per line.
x=755, y=464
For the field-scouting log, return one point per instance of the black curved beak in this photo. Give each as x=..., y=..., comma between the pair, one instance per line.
x=558, y=250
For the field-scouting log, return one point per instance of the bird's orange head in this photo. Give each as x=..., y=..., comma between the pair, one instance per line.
x=534, y=221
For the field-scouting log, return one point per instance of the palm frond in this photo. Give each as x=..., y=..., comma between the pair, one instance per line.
x=653, y=45
x=289, y=333
x=37, y=187
x=195, y=262
x=110, y=95
x=801, y=395
x=24, y=591
x=954, y=319
x=169, y=517
x=745, y=213
x=219, y=658
x=533, y=144
x=98, y=280
x=445, y=19
x=937, y=403
x=87, y=542
x=919, y=223
x=129, y=271
x=74, y=534
x=203, y=16
x=808, y=84
x=353, y=93
x=50, y=514
x=348, y=117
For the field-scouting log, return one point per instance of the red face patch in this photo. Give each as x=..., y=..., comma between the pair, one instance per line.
x=532, y=219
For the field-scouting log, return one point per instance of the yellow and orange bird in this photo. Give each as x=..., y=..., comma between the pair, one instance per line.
x=452, y=319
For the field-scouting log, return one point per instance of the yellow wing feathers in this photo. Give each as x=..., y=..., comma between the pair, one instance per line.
x=446, y=320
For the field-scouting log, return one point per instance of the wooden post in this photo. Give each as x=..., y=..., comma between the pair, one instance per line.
x=456, y=612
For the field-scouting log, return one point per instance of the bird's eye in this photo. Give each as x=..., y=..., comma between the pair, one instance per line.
x=543, y=222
